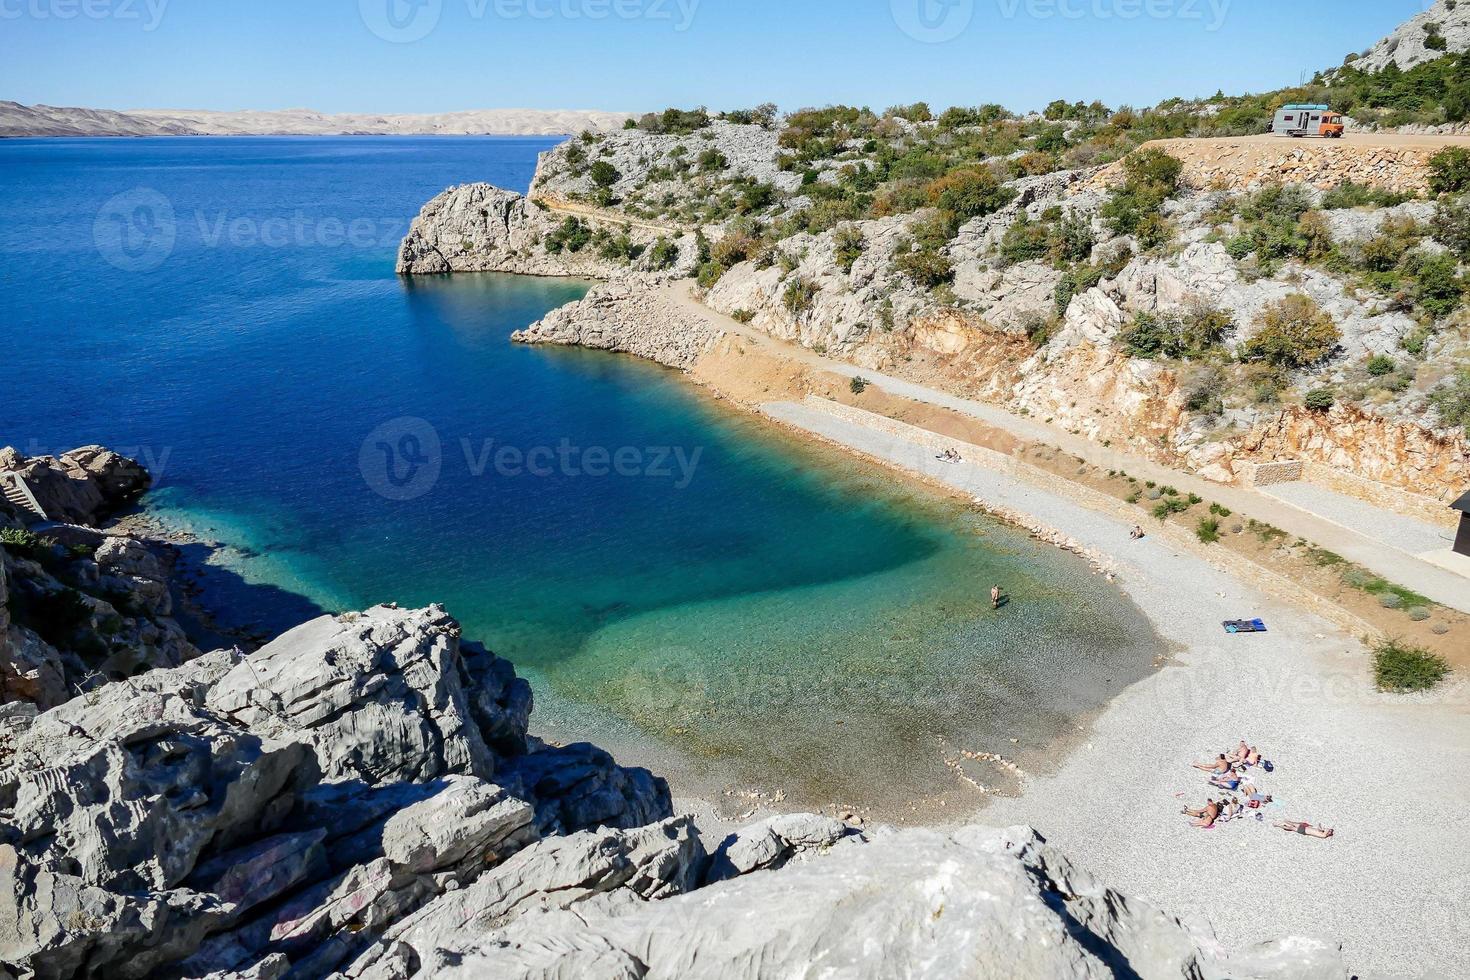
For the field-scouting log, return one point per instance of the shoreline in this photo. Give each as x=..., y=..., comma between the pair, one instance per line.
x=1346, y=754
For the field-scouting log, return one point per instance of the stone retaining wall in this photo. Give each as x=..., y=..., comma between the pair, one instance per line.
x=1238, y=163
x=1427, y=509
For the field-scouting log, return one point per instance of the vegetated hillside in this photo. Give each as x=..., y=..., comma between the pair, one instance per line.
x=1443, y=28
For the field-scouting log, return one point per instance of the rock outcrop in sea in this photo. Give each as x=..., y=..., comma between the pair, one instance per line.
x=361, y=798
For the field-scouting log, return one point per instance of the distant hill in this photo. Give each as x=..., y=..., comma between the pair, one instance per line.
x=1441, y=30
x=43, y=120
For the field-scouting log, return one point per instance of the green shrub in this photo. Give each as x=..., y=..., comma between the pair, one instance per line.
x=25, y=544
x=1219, y=510
x=800, y=295
x=1451, y=225
x=1024, y=241
x=604, y=174
x=1449, y=170
x=663, y=255
x=1354, y=195
x=1380, y=365
x=925, y=266
x=848, y=244
x=1451, y=400
x=1400, y=668
x=968, y=193
x=742, y=316
x=1207, y=530
x=673, y=122
x=1191, y=334
x=570, y=236
x=858, y=385
x=1320, y=399
x=1295, y=333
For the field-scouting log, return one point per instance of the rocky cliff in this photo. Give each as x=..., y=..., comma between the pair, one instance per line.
x=1412, y=42
x=359, y=798
x=78, y=607
x=480, y=228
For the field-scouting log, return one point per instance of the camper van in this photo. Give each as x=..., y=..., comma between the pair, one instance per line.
x=1307, y=120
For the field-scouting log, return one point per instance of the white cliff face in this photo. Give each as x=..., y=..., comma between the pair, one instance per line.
x=480, y=228
x=1408, y=45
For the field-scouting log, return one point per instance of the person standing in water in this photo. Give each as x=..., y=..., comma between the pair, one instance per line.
x=995, y=597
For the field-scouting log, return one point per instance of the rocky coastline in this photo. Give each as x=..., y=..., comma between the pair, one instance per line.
x=360, y=798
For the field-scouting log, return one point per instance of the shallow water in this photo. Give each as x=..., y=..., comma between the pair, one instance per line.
x=670, y=574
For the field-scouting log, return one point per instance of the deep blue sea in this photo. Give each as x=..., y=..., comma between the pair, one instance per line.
x=678, y=580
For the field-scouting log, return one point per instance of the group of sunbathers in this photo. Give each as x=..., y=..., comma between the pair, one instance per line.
x=1229, y=771
x=950, y=456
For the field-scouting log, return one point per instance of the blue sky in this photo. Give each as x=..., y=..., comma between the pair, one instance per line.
x=643, y=54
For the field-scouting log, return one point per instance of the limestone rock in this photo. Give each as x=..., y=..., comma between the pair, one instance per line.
x=1406, y=46
x=580, y=787
x=380, y=696
x=79, y=487
x=919, y=903
x=773, y=843
x=627, y=319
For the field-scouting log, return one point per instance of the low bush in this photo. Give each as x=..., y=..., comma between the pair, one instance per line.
x=1449, y=170
x=800, y=295
x=1400, y=668
x=1295, y=333
x=1320, y=399
x=25, y=544
x=1451, y=401
x=570, y=236
x=848, y=245
x=1208, y=530
x=858, y=385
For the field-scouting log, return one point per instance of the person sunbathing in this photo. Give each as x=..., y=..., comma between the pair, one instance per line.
x=1229, y=781
x=1220, y=766
x=1205, y=816
x=1240, y=754
x=1253, y=757
x=1233, y=809
x=1307, y=830
x=1138, y=533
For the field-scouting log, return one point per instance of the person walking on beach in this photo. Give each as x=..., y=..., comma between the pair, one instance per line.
x=995, y=597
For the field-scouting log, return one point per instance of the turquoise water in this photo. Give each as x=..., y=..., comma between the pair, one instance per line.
x=678, y=580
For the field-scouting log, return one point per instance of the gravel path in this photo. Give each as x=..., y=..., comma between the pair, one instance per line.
x=1443, y=585
x=1387, y=773
x=1386, y=527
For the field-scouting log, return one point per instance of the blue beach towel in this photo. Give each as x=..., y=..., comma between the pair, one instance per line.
x=1245, y=626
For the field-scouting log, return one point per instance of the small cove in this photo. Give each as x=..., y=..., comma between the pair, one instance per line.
x=748, y=608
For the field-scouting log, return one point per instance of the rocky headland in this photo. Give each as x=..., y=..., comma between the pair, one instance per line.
x=360, y=798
